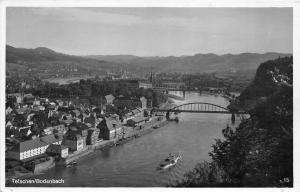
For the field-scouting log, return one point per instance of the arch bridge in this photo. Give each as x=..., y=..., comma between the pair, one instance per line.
x=200, y=107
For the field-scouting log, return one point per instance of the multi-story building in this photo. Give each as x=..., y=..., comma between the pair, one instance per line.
x=130, y=103
x=145, y=85
x=30, y=149
x=27, y=150
x=73, y=141
x=55, y=139
x=137, y=121
x=109, y=129
x=61, y=128
x=60, y=150
x=92, y=136
x=109, y=99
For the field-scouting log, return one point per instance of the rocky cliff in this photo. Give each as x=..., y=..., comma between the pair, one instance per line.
x=271, y=77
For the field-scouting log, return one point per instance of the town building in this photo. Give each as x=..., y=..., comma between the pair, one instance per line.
x=29, y=99
x=15, y=97
x=145, y=85
x=59, y=150
x=30, y=149
x=137, y=121
x=81, y=129
x=109, y=99
x=75, y=113
x=138, y=112
x=36, y=102
x=52, y=139
x=109, y=129
x=27, y=150
x=90, y=121
x=174, y=85
x=61, y=128
x=92, y=136
x=73, y=141
x=8, y=110
x=130, y=103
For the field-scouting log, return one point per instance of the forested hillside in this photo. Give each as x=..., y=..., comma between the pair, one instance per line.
x=259, y=152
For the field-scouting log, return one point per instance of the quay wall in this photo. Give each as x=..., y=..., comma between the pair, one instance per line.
x=88, y=149
x=136, y=132
x=40, y=167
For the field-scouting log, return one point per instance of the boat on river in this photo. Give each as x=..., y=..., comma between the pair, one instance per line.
x=176, y=119
x=169, y=161
x=71, y=164
x=122, y=141
x=155, y=126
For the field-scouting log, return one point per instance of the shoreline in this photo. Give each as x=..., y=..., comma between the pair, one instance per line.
x=90, y=149
x=101, y=145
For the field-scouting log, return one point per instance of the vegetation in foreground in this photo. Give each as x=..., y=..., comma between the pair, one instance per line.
x=259, y=152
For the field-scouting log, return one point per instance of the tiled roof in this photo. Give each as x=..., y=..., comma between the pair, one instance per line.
x=61, y=126
x=109, y=97
x=93, y=130
x=29, y=145
x=22, y=110
x=80, y=126
x=57, y=147
x=110, y=123
x=72, y=135
x=68, y=121
x=138, y=119
x=135, y=111
x=53, y=138
x=77, y=112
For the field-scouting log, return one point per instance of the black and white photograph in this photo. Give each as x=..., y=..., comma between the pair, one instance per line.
x=147, y=96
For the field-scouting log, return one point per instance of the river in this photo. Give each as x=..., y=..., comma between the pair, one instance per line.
x=134, y=163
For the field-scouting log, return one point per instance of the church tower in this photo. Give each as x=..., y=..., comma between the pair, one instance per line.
x=151, y=77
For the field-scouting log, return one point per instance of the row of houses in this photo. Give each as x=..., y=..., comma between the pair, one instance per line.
x=61, y=139
x=74, y=128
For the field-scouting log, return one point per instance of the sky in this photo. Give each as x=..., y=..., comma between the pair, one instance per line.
x=151, y=31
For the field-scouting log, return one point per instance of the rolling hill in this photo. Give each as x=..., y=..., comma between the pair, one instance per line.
x=46, y=63
x=195, y=63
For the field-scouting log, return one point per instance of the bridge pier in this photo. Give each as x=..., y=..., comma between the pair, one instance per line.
x=232, y=118
x=168, y=115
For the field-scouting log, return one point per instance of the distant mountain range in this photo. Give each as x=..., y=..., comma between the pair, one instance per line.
x=195, y=63
x=45, y=58
x=43, y=55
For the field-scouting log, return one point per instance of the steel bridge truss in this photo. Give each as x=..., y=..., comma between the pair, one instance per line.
x=200, y=107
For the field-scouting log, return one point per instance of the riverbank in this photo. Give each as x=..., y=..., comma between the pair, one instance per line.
x=168, y=105
x=86, y=151
x=90, y=149
x=135, y=133
x=175, y=97
x=133, y=163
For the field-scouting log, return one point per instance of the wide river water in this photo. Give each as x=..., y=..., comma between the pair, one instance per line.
x=135, y=163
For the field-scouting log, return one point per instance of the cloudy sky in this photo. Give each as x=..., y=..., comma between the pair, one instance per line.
x=151, y=31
